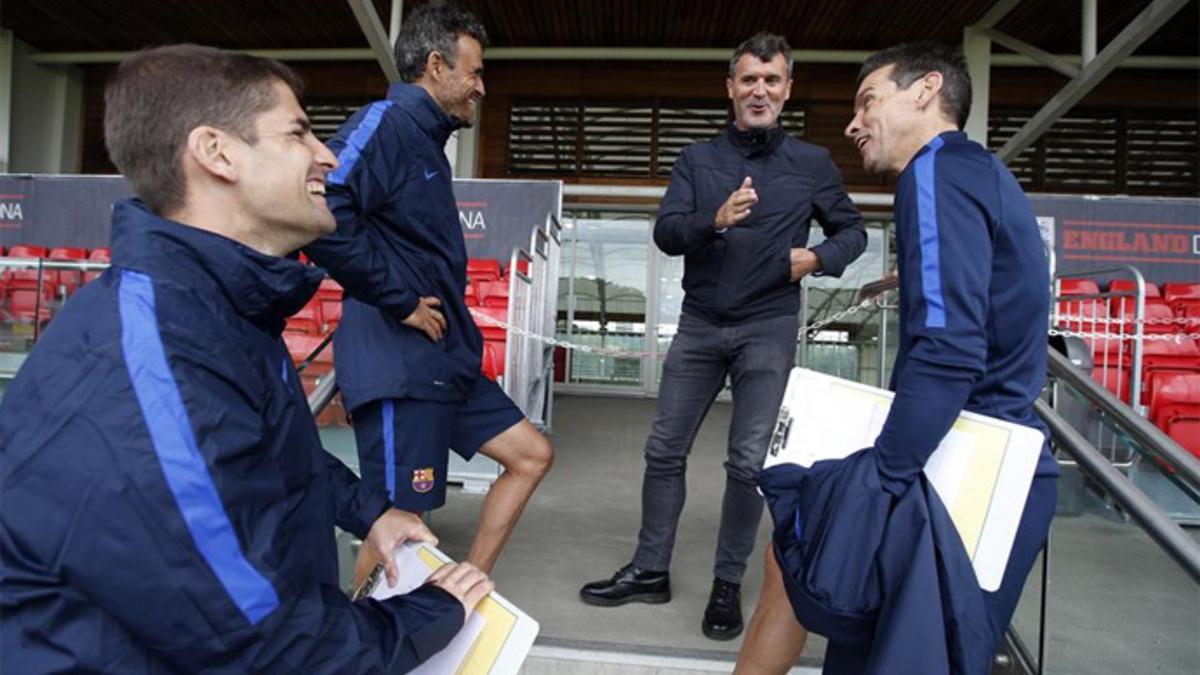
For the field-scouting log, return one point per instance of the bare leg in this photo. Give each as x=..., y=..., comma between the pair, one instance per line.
x=526, y=456
x=774, y=639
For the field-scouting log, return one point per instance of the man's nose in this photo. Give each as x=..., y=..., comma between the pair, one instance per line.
x=852, y=127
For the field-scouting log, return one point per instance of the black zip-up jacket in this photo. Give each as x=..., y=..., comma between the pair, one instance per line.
x=743, y=274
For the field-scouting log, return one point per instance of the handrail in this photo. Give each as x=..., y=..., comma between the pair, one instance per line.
x=1147, y=435
x=322, y=394
x=1166, y=533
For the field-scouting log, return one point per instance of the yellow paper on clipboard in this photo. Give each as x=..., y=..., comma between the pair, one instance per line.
x=982, y=470
x=494, y=640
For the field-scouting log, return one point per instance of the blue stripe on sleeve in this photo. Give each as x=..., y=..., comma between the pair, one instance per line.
x=357, y=140
x=931, y=270
x=178, y=454
x=389, y=448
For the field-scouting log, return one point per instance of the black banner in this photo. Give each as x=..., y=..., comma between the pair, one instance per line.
x=69, y=210
x=1159, y=236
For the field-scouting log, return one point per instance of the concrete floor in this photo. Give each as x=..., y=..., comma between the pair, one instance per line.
x=1118, y=603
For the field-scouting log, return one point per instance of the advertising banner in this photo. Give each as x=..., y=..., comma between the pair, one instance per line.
x=1159, y=236
x=72, y=210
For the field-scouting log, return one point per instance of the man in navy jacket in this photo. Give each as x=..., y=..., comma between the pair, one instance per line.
x=168, y=506
x=974, y=297
x=407, y=349
x=738, y=210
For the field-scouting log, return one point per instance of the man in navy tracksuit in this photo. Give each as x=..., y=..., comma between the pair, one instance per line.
x=168, y=506
x=973, y=304
x=738, y=209
x=407, y=349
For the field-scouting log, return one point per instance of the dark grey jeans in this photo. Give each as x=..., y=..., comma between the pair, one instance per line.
x=757, y=358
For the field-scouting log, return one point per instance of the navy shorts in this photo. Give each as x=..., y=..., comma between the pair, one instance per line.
x=404, y=443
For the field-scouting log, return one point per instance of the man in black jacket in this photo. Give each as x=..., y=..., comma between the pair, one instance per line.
x=738, y=209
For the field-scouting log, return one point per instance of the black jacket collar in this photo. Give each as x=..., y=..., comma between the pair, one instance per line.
x=756, y=142
x=426, y=111
x=263, y=289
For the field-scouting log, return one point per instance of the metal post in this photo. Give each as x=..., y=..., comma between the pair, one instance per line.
x=1087, y=42
x=6, y=70
x=372, y=28
x=394, y=23
x=1142, y=27
x=977, y=48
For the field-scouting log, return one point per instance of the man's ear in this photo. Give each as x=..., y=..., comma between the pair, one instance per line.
x=729, y=87
x=435, y=66
x=209, y=149
x=930, y=87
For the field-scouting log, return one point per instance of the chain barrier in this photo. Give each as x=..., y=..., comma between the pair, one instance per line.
x=1166, y=321
x=810, y=331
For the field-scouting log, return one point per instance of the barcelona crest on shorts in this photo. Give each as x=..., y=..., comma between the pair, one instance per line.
x=422, y=480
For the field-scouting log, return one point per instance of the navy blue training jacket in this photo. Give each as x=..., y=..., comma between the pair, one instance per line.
x=168, y=506
x=974, y=302
x=744, y=273
x=398, y=239
x=886, y=579
x=868, y=553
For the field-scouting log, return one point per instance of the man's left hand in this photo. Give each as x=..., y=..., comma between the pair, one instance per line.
x=390, y=530
x=804, y=263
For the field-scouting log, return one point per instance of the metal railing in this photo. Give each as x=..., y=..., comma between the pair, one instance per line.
x=1179, y=546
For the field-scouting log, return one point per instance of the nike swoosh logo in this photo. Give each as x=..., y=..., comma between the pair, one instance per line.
x=430, y=174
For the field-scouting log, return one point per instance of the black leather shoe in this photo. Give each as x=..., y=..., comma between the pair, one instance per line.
x=723, y=616
x=629, y=584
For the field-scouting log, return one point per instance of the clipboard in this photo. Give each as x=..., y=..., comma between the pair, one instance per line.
x=494, y=640
x=982, y=469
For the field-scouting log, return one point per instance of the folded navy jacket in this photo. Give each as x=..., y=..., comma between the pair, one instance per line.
x=885, y=578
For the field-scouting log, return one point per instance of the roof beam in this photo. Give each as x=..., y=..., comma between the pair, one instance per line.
x=1039, y=55
x=1130, y=38
x=610, y=54
x=377, y=38
x=996, y=13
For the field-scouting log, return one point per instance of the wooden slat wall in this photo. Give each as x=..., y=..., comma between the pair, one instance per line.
x=1136, y=133
x=1122, y=138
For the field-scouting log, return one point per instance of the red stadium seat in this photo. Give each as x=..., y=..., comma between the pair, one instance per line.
x=68, y=281
x=307, y=320
x=100, y=255
x=1172, y=292
x=26, y=251
x=1190, y=310
x=483, y=269
x=1078, y=287
x=1158, y=317
x=489, y=331
x=493, y=293
x=1173, y=389
x=330, y=290
x=302, y=345
x=21, y=301
x=492, y=363
x=1166, y=356
x=1130, y=286
x=471, y=295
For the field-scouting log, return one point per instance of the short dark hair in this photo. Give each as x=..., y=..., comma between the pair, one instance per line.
x=157, y=96
x=765, y=46
x=433, y=28
x=914, y=60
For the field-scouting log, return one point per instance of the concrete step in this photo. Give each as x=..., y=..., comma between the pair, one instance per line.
x=554, y=657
